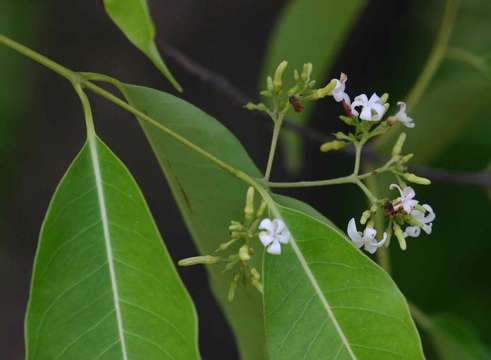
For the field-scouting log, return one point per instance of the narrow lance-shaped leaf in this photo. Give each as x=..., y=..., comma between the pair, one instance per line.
x=134, y=20
x=208, y=196
x=308, y=31
x=325, y=300
x=103, y=285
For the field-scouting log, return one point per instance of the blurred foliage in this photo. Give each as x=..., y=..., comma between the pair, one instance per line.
x=16, y=19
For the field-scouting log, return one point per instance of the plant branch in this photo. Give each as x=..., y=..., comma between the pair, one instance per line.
x=80, y=82
x=437, y=54
x=278, y=122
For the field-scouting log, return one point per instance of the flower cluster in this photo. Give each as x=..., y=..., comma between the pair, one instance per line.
x=368, y=109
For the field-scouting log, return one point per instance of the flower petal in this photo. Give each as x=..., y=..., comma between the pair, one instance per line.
x=431, y=214
x=369, y=233
x=353, y=233
x=274, y=248
x=408, y=192
x=266, y=238
x=366, y=113
x=412, y=231
x=266, y=224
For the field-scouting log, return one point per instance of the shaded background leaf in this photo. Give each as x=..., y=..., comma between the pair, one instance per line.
x=133, y=18
x=208, y=196
x=103, y=284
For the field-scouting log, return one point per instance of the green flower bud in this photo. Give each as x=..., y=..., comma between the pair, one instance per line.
x=416, y=179
x=255, y=274
x=306, y=72
x=323, y=92
x=384, y=98
x=249, y=207
x=278, y=75
x=332, y=145
x=365, y=216
x=233, y=287
x=341, y=136
x=269, y=84
x=396, y=150
x=406, y=158
x=348, y=120
x=244, y=253
x=400, y=236
x=262, y=209
x=197, y=260
x=259, y=107
x=296, y=75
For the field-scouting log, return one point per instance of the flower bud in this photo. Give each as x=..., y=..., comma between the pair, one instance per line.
x=244, y=253
x=306, y=72
x=416, y=179
x=332, y=146
x=233, y=287
x=406, y=158
x=262, y=209
x=323, y=92
x=258, y=107
x=396, y=150
x=249, y=206
x=278, y=76
x=255, y=274
x=269, y=83
x=384, y=98
x=400, y=236
x=365, y=216
x=197, y=260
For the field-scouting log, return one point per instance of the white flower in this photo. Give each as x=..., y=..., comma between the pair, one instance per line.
x=372, y=109
x=406, y=200
x=366, y=239
x=402, y=116
x=424, y=218
x=272, y=234
x=338, y=91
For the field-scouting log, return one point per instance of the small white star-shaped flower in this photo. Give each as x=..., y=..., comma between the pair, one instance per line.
x=339, y=91
x=272, y=234
x=367, y=239
x=402, y=116
x=372, y=109
x=406, y=200
x=424, y=218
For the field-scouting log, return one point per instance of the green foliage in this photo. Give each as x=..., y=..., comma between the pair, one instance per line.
x=133, y=18
x=208, y=196
x=454, y=339
x=324, y=299
x=104, y=286
x=308, y=31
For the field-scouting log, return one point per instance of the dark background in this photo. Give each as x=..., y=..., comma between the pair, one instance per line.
x=43, y=126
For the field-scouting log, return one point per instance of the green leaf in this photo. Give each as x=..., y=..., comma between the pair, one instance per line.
x=207, y=196
x=133, y=18
x=325, y=300
x=308, y=31
x=454, y=339
x=103, y=285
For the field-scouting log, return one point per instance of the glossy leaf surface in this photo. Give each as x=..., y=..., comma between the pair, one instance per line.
x=134, y=20
x=325, y=300
x=103, y=285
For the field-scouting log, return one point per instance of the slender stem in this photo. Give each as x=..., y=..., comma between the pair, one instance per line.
x=373, y=199
x=89, y=120
x=41, y=59
x=75, y=78
x=437, y=54
x=316, y=183
x=358, y=148
x=383, y=255
x=278, y=122
x=350, y=179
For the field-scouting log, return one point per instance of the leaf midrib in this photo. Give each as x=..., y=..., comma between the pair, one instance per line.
x=94, y=156
x=315, y=284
